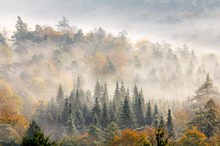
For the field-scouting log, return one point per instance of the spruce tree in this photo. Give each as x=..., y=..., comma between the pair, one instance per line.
x=60, y=96
x=105, y=116
x=149, y=116
x=111, y=131
x=71, y=128
x=66, y=112
x=156, y=116
x=170, y=123
x=35, y=137
x=97, y=93
x=79, y=119
x=126, y=117
x=97, y=109
x=161, y=124
x=139, y=112
x=117, y=96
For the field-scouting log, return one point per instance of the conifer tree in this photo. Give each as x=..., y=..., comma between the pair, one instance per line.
x=149, y=116
x=161, y=124
x=97, y=93
x=139, y=112
x=71, y=128
x=105, y=116
x=66, y=112
x=156, y=116
x=97, y=109
x=111, y=131
x=170, y=123
x=60, y=96
x=116, y=98
x=79, y=119
x=126, y=117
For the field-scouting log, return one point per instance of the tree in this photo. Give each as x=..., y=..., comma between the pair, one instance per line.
x=156, y=116
x=139, y=112
x=205, y=92
x=95, y=133
x=63, y=24
x=193, y=137
x=126, y=117
x=161, y=138
x=21, y=33
x=79, y=119
x=2, y=39
x=206, y=119
x=35, y=137
x=66, y=112
x=71, y=128
x=60, y=96
x=131, y=138
x=149, y=118
x=97, y=109
x=117, y=97
x=105, y=116
x=111, y=131
x=161, y=124
x=97, y=93
x=170, y=123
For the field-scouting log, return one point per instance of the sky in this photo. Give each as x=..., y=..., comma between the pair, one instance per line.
x=192, y=22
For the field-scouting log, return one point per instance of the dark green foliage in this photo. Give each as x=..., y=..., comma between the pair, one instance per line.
x=35, y=137
x=149, y=115
x=170, y=123
x=97, y=109
x=139, y=112
x=126, y=117
x=79, y=119
x=161, y=124
x=207, y=119
x=66, y=112
x=71, y=128
x=160, y=138
x=105, y=116
x=117, y=96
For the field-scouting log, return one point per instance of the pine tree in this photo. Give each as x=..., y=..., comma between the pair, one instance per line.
x=139, y=112
x=206, y=119
x=79, y=119
x=156, y=116
x=97, y=93
x=71, y=128
x=116, y=98
x=126, y=117
x=135, y=96
x=122, y=91
x=170, y=123
x=206, y=91
x=149, y=118
x=60, y=96
x=35, y=137
x=66, y=112
x=97, y=109
x=105, y=117
x=63, y=24
x=161, y=124
x=105, y=95
x=111, y=131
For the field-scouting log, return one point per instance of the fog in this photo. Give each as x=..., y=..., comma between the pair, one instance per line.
x=179, y=22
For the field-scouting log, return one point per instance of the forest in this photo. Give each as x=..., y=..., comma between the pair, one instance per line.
x=60, y=85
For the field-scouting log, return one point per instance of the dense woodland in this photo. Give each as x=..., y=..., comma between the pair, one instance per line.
x=61, y=86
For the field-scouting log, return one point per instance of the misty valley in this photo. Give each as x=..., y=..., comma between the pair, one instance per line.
x=61, y=85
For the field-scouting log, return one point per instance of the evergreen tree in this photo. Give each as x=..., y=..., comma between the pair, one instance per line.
x=60, y=96
x=63, y=24
x=97, y=109
x=156, y=116
x=149, y=118
x=116, y=98
x=95, y=133
x=139, y=112
x=126, y=117
x=135, y=96
x=206, y=91
x=207, y=119
x=111, y=131
x=105, y=117
x=97, y=93
x=71, y=128
x=79, y=119
x=105, y=95
x=35, y=137
x=21, y=33
x=122, y=91
x=66, y=112
x=96, y=121
x=161, y=124
x=170, y=123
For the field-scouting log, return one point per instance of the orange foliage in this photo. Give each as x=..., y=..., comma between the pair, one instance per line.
x=130, y=138
x=10, y=107
x=193, y=137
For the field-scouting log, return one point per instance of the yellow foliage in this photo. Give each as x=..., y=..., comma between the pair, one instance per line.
x=130, y=138
x=10, y=107
x=193, y=137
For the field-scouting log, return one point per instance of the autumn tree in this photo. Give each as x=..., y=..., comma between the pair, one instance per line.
x=193, y=137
